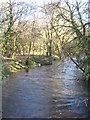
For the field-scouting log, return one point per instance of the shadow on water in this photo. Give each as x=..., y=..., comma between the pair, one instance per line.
x=46, y=92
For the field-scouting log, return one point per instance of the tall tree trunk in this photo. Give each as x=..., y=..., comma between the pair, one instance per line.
x=29, y=49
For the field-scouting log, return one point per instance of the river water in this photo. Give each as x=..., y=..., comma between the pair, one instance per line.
x=45, y=92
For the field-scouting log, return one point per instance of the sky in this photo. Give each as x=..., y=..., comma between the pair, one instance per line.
x=39, y=2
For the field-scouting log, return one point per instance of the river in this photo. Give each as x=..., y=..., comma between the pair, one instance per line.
x=45, y=92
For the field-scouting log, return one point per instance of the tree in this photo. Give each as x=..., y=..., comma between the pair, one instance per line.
x=13, y=12
x=69, y=27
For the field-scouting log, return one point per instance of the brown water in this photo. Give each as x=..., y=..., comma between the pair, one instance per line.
x=45, y=92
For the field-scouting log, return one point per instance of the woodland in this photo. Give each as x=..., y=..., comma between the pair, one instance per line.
x=38, y=35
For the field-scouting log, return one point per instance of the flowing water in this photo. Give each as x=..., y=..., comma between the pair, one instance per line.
x=45, y=92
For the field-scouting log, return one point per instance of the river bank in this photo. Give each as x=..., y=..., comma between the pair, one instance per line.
x=11, y=66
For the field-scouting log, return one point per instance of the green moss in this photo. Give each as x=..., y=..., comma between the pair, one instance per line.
x=5, y=72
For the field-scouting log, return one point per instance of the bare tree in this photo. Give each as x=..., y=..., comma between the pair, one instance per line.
x=69, y=27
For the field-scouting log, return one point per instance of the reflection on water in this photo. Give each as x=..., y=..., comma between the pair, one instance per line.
x=45, y=92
